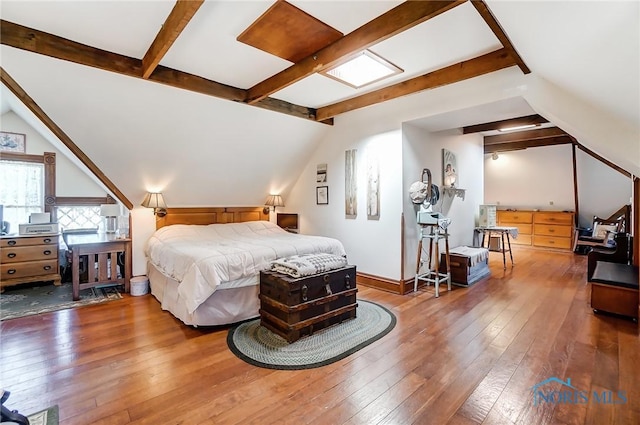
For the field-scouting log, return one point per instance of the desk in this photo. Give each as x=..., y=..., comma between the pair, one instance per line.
x=103, y=252
x=502, y=231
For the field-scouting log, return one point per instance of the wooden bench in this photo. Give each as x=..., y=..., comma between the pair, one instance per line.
x=614, y=289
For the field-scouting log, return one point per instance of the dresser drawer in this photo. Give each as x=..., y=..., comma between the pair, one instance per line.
x=29, y=241
x=32, y=268
x=523, y=229
x=29, y=253
x=514, y=217
x=553, y=218
x=552, y=242
x=521, y=240
x=553, y=230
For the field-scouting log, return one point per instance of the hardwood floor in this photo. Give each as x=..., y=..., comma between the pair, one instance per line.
x=470, y=357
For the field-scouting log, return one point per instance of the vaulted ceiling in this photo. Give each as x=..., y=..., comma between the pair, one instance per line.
x=161, y=57
x=194, y=49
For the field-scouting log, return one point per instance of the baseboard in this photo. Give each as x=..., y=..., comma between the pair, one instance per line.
x=400, y=287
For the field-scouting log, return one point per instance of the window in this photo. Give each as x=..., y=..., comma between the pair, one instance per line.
x=21, y=191
x=78, y=216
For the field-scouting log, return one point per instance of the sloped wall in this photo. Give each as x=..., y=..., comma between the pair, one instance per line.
x=70, y=180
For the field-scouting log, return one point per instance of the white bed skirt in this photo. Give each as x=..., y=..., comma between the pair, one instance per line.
x=224, y=307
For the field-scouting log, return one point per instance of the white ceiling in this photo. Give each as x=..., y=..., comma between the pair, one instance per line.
x=163, y=136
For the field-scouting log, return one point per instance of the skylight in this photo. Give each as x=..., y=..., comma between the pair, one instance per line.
x=362, y=69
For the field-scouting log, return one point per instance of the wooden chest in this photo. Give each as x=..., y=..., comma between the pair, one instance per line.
x=462, y=272
x=296, y=307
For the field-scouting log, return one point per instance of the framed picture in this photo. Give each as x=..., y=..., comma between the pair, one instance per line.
x=13, y=142
x=449, y=169
x=322, y=195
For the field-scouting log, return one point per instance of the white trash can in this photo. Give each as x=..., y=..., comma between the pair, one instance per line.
x=139, y=285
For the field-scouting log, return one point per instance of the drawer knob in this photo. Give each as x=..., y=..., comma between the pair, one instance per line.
x=11, y=271
x=551, y=230
x=347, y=281
x=11, y=255
x=327, y=289
x=47, y=240
x=47, y=267
x=12, y=243
x=47, y=252
x=305, y=290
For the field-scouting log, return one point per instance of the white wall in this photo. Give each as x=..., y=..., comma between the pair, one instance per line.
x=422, y=149
x=601, y=189
x=70, y=180
x=539, y=177
x=372, y=245
x=535, y=177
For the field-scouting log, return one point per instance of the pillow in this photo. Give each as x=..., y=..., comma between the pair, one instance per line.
x=603, y=231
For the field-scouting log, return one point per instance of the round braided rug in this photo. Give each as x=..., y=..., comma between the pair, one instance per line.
x=260, y=347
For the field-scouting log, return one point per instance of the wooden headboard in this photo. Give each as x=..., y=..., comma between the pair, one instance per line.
x=211, y=215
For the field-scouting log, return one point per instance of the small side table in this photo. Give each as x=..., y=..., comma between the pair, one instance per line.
x=502, y=231
x=103, y=252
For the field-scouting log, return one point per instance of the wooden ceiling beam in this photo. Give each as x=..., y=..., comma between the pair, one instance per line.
x=22, y=95
x=50, y=45
x=399, y=19
x=46, y=44
x=481, y=65
x=177, y=20
x=512, y=122
x=517, y=136
x=525, y=144
x=494, y=25
x=595, y=156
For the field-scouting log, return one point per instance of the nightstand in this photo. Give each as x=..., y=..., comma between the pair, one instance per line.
x=107, y=259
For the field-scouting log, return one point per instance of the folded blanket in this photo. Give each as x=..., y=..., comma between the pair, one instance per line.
x=475, y=255
x=308, y=264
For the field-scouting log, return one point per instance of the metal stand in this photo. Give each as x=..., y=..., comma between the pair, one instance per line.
x=433, y=234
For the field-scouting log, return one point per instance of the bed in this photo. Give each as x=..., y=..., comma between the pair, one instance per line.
x=204, y=263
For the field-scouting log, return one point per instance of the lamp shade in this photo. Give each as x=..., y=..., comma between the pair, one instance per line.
x=109, y=210
x=274, y=201
x=153, y=200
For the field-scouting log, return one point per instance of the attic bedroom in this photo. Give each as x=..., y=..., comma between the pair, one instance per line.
x=232, y=113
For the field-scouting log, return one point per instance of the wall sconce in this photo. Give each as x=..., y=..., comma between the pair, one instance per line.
x=155, y=201
x=495, y=156
x=110, y=212
x=272, y=201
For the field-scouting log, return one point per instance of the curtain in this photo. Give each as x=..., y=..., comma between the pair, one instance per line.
x=21, y=191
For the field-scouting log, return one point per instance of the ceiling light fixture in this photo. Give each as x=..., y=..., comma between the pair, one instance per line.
x=362, y=69
x=519, y=127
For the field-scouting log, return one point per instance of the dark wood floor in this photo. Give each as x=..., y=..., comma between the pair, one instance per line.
x=470, y=357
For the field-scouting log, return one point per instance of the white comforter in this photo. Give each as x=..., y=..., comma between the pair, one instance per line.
x=201, y=257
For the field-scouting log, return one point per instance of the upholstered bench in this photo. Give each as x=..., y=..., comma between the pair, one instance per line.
x=614, y=289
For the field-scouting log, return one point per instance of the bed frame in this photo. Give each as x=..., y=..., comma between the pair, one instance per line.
x=211, y=215
x=237, y=304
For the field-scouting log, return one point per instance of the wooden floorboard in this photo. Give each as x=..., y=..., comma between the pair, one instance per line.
x=469, y=357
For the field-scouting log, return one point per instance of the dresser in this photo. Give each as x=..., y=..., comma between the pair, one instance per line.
x=26, y=259
x=545, y=229
x=522, y=220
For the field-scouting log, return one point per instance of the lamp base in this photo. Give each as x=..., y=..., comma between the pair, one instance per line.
x=110, y=224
